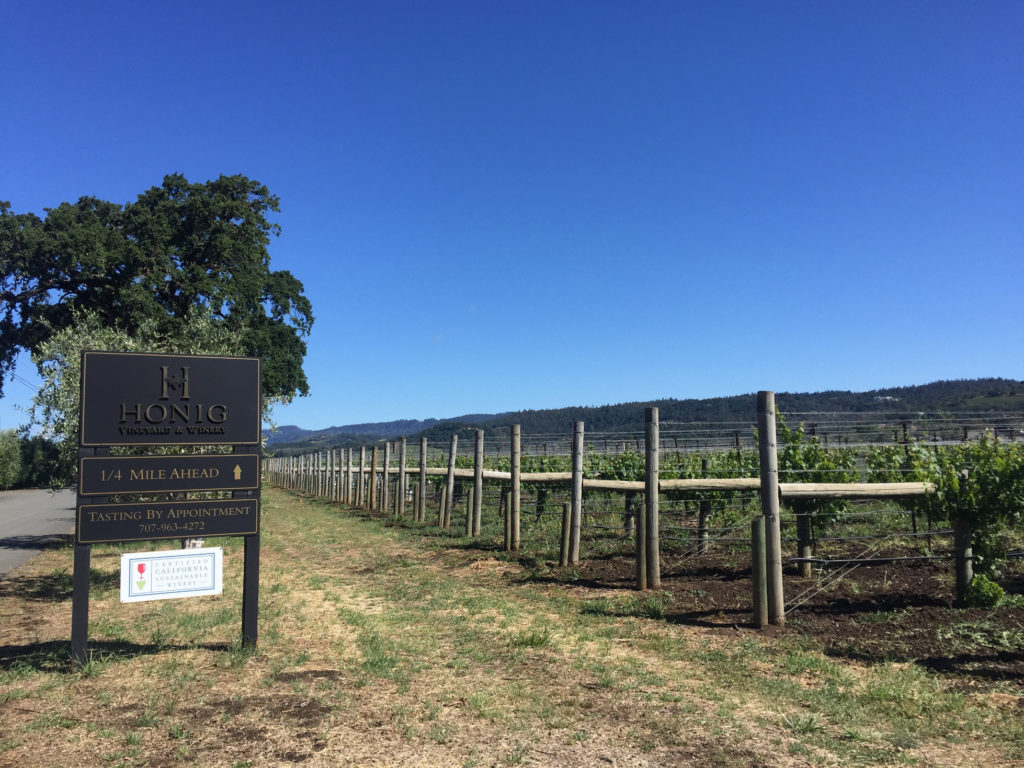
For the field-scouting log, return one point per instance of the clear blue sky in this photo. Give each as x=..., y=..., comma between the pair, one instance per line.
x=514, y=205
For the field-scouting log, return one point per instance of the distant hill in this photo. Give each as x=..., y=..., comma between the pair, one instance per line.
x=360, y=434
x=380, y=430
x=978, y=395
x=974, y=395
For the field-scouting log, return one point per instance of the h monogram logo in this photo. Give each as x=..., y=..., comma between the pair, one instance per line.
x=174, y=382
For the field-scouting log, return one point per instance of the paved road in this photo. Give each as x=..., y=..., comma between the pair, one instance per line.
x=30, y=521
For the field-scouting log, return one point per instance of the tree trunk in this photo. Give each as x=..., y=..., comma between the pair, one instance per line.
x=964, y=558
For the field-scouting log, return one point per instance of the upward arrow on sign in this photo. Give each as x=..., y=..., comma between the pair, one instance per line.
x=238, y=472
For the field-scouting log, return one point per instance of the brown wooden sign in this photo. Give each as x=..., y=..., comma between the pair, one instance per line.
x=142, y=521
x=157, y=399
x=111, y=475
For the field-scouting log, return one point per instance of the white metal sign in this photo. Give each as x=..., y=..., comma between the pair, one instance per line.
x=170, y=574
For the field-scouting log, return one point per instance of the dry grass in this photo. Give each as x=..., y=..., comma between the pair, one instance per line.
x=376, y=651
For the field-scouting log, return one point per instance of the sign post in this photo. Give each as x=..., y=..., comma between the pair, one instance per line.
x=167, y=401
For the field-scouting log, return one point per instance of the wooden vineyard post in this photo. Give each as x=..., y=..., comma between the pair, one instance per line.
x=963, y=557
x=470, y=499
x=768, y=453
x=651, y=440
x=804, y=549
x=629, y=514
x=758, y=572
x=330, y=475
x=348, y=490
x=361, y=480
x=374, y=455
x=343, y=475
x=506, y=513
x=403, y=480
x=398, y=482
x=353, y=478
x=515, y=499
x=449, y=496
x=704, y=514
x=576, y=517
x=384, y=489
x=563, y=551
x=478, y=483
x=357, y=487
x=641, y=549
x=352, y=481
x=336, y=475
x=441, y=505
x=421, y=502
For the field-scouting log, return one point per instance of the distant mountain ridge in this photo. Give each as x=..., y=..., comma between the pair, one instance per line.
x=990, y=394
x=382, y=430
x=290, y=433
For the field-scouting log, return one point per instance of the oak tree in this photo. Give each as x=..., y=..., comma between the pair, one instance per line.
x=180, y=248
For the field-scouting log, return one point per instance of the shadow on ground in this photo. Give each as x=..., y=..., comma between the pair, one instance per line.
x=55, y=656
x=55, y=586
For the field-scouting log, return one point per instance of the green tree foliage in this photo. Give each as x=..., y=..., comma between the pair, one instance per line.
x=10, y=458
x=179, y=249
x=41, y=465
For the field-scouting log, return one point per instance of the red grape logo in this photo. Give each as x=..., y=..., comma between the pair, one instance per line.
x=141, y=583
